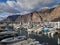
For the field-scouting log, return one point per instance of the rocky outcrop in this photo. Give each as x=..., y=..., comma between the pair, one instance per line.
x=35, y=17
x=54, y=14
x=24, y=18
x=56, y=19
x=11, y=18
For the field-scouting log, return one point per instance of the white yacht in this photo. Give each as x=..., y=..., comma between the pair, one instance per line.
x=13, y=39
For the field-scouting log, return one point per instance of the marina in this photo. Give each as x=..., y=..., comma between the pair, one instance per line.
x=46, y=35
x=29, y=22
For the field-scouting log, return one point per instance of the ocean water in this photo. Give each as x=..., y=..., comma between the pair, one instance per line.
x=45, y=39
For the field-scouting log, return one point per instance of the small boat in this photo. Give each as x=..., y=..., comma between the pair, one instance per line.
x=13, y=39
x=7, y=32
x=48, y=26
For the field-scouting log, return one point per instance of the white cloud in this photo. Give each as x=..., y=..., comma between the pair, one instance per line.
x=7, y=8
x=25, y=6
x=3, y=15
x=11, y=3
x=31, y=4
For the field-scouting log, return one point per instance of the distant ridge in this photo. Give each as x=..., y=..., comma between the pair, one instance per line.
x=54, y=14
x=35, y=17
x=11, y=18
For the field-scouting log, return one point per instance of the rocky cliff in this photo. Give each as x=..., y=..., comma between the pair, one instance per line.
x=54, y=15
x=35, y=17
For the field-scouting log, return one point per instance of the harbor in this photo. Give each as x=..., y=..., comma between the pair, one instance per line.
x=29, y=22
x=45, y=34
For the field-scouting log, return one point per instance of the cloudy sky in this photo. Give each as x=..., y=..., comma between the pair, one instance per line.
x=8, y=7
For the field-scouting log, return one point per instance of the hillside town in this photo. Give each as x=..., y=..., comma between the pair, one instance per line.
x=36, y=28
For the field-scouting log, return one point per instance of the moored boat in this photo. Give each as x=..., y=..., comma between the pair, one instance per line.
x=13, y=39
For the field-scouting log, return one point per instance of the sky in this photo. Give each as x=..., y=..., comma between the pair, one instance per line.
x=9, y=7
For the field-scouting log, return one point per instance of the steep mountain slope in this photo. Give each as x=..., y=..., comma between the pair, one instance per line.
x=54, y=14
x=11, y=18
x=35, y=17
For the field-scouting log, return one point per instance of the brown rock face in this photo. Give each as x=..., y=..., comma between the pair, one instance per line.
x=35, y=17
x=24, y=18
x=32, y=18
x=54, y=14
